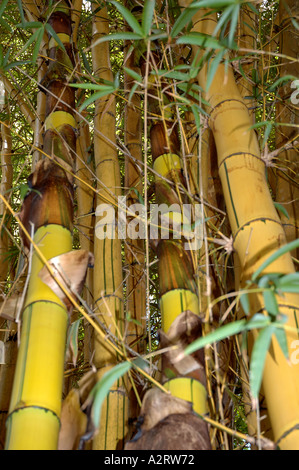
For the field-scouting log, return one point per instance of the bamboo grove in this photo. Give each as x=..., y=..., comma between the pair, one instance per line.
x=149, y=225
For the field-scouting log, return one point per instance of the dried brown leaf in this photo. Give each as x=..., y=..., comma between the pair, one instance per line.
x=168, y=423
x=70, y=270
x=183, y=331
x=10, y=307
x=73, y=422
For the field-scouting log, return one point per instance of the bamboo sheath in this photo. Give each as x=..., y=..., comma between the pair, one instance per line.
x=33, y=421
x=257, y=232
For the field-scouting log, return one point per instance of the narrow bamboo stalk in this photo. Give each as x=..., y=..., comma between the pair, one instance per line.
x=16, y=94
x=33, y=13
x=256, y=229
x=108, y=288
x=134, y=249
x=178, y=289
x=247, y=40
x=5, y=186
x=40, y=116
x=10, y=346
x=285, y=184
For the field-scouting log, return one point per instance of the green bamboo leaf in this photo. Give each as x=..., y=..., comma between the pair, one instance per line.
x=194, y=69
x=133, y=74
x=268, y=282
x=289, y=283
x=139, y=196
x=252, y=7
x=184, y=19
x=269, y=279
x=213, y=68
x=94, y=86
x=282, y=340
x=224, y=18
x=140, y=363
x=255, y=76
x=3, y=6
x=270, y=301
x=197, y=110
x=289, y=278
x=159, y=34
x=282, y=209
x=37, y=45
x=147, y=16
x=132, y=91
x=31, y=25
x=85, y=61
x=16, y=63
x=24, y=190
x=294, y=22
x=268, y=130
x=73, y=339
x=116, y=81
x=169, y=373
x=244, y=299
x=32, y=38
x=233, y=24
x=133, y=320
x=20, y=6
x=51, y=31
x=6, y=25
x=280, y=81
x=225, y=331
x=217, y=4
x=101, y=389
x=281, y=251
x=258, y=357
x=174, y=74
x=96, y=96
x=119, y=37
x=199, y=39
x=130, y=19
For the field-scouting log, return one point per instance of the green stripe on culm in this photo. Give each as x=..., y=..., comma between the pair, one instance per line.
x=230, y=194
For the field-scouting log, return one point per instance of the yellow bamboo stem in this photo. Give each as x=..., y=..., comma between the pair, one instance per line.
x=33, y=421
x=175, y=302
x=108, y=292
x=190, y=390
